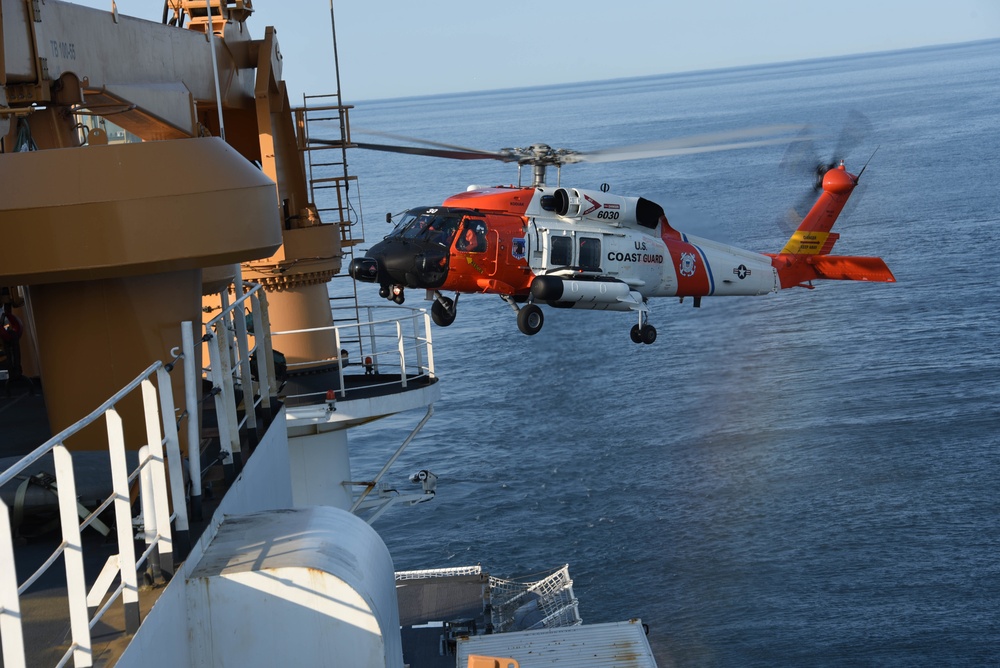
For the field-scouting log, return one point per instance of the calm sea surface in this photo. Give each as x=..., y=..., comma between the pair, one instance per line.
x=807, y=478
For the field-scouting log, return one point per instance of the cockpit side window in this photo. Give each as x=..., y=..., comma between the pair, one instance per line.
x=561, y=253
x=413, y=226
x=404, y=222
x=472, y=238
x=432, y=225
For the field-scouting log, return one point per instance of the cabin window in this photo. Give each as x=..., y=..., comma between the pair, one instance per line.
x=561, y=254
x=590, y=254
x=473, y=237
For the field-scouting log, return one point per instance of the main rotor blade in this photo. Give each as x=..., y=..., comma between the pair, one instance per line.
x=436, y=152
x=542, y=154
x=415, y=140
x=719, y=141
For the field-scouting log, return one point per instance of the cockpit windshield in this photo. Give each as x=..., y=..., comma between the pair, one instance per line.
x=434, y=225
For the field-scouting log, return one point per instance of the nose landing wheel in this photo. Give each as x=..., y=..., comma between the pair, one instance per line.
x=444, y=310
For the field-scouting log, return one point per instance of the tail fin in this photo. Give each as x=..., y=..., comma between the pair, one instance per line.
x=806, y=255
x=813, y=236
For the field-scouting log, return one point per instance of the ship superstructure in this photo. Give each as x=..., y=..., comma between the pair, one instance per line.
x=168, y=300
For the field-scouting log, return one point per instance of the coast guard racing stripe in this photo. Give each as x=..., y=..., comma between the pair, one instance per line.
x=694, y=276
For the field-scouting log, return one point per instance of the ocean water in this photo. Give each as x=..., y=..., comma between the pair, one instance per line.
x=806, y=478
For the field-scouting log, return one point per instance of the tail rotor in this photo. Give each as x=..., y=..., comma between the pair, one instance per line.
x=802, y=160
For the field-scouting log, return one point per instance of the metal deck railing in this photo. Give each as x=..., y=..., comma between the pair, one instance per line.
x=393, y=348
x=550, y=600
x=86, y=607
x=397, y=353
x=242, y=376
x=162, y=503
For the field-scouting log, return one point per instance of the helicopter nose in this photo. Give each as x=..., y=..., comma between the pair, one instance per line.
x=363, y=269
x=431, y=267
x=411, y=264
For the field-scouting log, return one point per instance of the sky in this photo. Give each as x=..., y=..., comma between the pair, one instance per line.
x=402, y=48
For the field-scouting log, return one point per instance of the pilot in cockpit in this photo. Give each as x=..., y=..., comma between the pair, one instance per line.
x=473, y=239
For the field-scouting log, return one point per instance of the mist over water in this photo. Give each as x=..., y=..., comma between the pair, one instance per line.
x=806, y=478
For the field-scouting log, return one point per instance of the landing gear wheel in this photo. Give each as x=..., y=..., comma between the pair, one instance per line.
x=648, y=334
x=530, y=319
x=399, y=299
x=443, y=312
x=635, y=334
x=383, y=292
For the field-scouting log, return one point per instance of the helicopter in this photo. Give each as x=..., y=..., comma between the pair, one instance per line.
x=568, y=247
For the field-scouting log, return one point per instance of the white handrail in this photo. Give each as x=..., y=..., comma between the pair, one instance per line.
x=155, y=499
x=230, y=355
x=409, y=355
x=44, y=448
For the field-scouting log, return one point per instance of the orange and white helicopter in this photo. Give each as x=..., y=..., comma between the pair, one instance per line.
x=587, y=249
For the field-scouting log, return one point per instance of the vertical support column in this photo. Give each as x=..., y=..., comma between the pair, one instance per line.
x=123, y=520
x=148, y=506
x=261, y=347
x=225, y=403
x=10, y=604
x=192, y=376
x=243, y=352
x=174, y=466
x=158, y=479
x=340, y=364
x=417, y=345
x=319, y=464
x=228, y=384
x=371, y=338
x=402, y=353
x=268, y=347
x=76, y=585
x=430, y=345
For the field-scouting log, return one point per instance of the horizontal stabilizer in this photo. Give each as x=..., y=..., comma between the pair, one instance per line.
x=847, y=268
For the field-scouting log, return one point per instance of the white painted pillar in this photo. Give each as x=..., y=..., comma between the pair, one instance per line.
x=320, y=464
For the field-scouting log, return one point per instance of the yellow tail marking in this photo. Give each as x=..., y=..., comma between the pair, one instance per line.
x=805, y=242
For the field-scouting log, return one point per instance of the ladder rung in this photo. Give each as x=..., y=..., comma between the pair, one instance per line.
x=327, y=147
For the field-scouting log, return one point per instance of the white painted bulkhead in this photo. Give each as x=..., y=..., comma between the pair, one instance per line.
x=298, y=587
x=268, y=584
x=163, y=640
x=320, y=464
